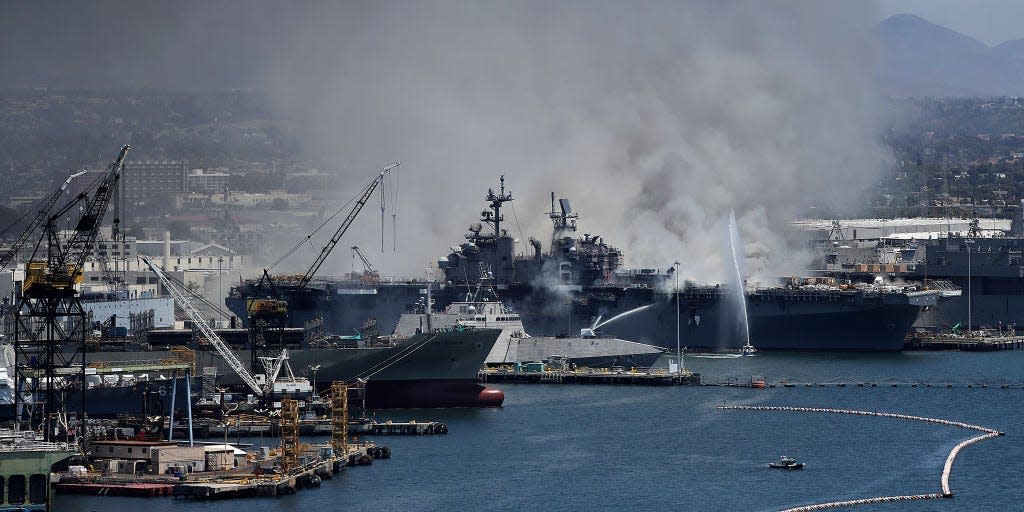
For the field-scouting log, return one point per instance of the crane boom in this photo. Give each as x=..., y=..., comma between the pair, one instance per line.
x=326, y=251
x=208, y=332
x=367, y=267
x=84, y=238
x=44, y=212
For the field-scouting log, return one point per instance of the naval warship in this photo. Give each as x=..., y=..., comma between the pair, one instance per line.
x=435, y=369
x=582, y=278
x=985, y=266
x=483, y=308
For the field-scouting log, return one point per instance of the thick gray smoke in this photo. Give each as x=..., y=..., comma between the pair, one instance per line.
x=655, y=118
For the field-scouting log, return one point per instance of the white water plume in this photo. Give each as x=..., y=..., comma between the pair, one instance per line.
x=618, y=316
x=737, y=285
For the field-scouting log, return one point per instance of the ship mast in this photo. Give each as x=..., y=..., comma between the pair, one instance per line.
x=494, y=216
x=563, y=219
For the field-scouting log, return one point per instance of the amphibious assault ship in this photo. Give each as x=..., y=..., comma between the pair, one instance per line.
x=581, y=278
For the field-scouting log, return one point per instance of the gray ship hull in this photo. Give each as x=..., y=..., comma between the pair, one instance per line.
x=145, y=398
x=780, y=320
x=586, y=352
x=429, y=370
x=512, y=347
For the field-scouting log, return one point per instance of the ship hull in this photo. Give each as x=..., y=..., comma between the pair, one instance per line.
x=990, y=302
x=779, y=321
x=429, y=370
x=144, y=398
x=786, y=320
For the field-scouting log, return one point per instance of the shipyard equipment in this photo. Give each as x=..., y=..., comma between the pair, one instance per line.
x=339, y=417
x=272, y=365
x=289, y=426
x=369, y=274
x=42, y=214
x=268, y=313
x=50, y=323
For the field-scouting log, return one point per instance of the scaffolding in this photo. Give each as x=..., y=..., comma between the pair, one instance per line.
x=339, y=418
x=289, y=434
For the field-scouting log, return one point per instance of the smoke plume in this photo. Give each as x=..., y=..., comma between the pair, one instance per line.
x=655, y=117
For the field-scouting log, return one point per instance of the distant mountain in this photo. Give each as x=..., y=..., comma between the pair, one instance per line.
x=924, y=59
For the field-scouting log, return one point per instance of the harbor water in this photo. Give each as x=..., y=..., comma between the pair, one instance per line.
x=568, y=447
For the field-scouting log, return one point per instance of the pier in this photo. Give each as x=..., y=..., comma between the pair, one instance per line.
x=964, y=343
x=987, y=433
x=144, y=468
x=633, y=376
x=255, y=426
x=304, y=476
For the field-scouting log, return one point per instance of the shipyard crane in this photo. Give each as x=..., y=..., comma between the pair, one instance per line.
x=49, y=317
x=326, y=251
x=369, y=273
x=307, y=276
x=273, y=365
x=63, y=268
x=271, y=313
x=43, y=213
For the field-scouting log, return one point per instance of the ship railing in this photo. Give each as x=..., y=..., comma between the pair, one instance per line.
x=942, y=285
x=34, y=446
x=342, y=281
x=170, y=363
x=803, y=295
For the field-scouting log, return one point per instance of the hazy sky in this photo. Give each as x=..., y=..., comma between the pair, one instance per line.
x=989, y=21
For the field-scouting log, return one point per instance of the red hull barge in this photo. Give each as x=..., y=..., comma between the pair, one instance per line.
x=426, y=394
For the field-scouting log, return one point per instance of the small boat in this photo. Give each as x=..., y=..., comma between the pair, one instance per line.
x=748, y=350
x=786, y=463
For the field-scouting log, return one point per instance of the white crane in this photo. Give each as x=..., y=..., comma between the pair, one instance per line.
x=273, y=365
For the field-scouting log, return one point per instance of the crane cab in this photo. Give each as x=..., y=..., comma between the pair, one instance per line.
x=41, y=282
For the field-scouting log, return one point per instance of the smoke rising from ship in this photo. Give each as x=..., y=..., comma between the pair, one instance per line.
x=655, y=118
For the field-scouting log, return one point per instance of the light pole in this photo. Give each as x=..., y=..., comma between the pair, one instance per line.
x=314, y=368
x=679, y=352
x=970, y=308
x=220, y=286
